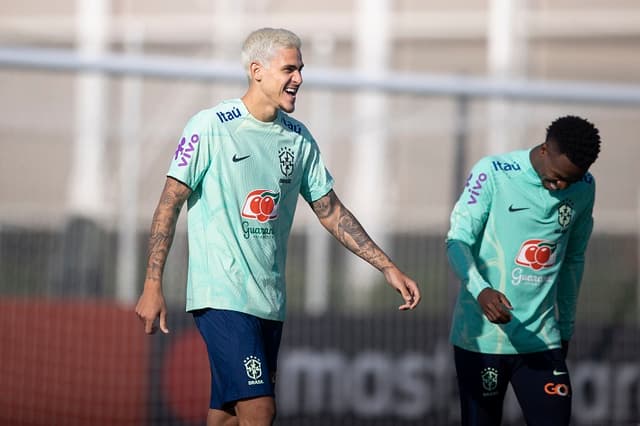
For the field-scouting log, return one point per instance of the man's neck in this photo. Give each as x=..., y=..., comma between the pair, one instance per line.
x=259, y=110
x=534, y=157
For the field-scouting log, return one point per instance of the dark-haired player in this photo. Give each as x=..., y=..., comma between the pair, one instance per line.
x=517, y=241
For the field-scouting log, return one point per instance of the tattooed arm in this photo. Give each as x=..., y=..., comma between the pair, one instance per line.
x=341, y=223
x=151, y=304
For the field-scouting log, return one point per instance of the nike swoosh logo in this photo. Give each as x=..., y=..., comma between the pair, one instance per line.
x=236, y=158
x=517, y=209
x=559, y=373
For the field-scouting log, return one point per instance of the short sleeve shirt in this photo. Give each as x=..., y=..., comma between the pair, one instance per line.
x=245, y=176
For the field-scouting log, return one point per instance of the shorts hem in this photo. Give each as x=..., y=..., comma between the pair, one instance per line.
x=235, y=399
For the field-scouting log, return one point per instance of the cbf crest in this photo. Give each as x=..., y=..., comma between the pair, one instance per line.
x=286, y=161
x=253, y=367
x=565, y=214
x=489, y=377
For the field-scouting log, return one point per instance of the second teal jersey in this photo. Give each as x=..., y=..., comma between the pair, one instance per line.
x=526, y=242
x=246, y=176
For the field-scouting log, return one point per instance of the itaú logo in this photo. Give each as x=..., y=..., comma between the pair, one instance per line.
x=261, y=205
x=556, y=389
x=537, y=254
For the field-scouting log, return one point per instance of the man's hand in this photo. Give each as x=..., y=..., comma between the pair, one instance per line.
x=151, y=305
x=495, y=306
x=404, y=285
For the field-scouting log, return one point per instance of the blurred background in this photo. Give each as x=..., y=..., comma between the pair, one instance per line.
x=402, y=96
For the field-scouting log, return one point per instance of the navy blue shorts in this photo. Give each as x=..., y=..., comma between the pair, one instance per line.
x=243, y=353
x=540, y=381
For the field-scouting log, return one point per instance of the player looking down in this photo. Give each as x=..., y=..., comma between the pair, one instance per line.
x=517, y=242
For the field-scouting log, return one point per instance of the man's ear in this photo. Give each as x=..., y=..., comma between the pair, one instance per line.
x=256, y=71
x=544, y=148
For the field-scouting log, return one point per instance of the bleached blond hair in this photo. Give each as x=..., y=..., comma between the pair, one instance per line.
x=261, y=45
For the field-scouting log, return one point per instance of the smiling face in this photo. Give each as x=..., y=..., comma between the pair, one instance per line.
x=275, y=85
x=555, y=169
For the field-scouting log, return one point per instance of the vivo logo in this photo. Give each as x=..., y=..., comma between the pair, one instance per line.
x=474, y=187
x=185, y=149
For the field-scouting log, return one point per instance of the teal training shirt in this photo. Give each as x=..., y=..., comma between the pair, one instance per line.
x=510, y=233
x=246, y=176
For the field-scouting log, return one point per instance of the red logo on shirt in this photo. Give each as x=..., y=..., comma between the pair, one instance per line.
x=537, y=254
x=261, y=204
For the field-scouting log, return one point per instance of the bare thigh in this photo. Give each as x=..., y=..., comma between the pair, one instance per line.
x=258, y=411
x=221, y=418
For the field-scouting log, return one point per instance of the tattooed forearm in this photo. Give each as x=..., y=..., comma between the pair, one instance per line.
x=353, y=236
x=160, y=239
x=163, y=227
x=345, y=228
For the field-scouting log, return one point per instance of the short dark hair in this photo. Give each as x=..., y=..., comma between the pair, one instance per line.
x=577, y=138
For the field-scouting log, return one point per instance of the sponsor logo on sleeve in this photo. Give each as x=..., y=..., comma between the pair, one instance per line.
x=474, y=187
x=185, y=150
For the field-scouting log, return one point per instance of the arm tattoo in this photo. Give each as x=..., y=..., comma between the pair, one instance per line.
x=324, y=206
x=346, y=229
x=353, y=236
x=163, y=227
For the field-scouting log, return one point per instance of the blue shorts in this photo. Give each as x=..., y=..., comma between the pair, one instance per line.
x=243, y=353
x=540, y=381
